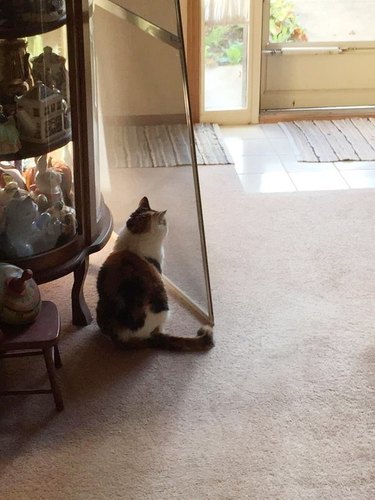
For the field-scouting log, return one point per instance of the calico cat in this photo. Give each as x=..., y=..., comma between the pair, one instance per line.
x=133, y=304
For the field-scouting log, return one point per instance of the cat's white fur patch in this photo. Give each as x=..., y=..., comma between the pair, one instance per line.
x=144, y=245
x=153, y=321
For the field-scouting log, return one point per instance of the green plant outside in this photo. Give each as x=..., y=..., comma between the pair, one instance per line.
x=224, y=43
x=284, y=25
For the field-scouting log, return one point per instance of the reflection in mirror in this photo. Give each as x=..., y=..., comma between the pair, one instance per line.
x=160, y=12
x=148, y=143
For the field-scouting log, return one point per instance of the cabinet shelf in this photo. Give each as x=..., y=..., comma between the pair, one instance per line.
x=31, y=150
x=31, y=29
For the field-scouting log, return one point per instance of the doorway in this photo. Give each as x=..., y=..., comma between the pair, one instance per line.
x=230, y=74
x=260, y=57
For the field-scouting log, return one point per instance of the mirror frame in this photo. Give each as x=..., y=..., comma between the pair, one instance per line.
x=177, y=42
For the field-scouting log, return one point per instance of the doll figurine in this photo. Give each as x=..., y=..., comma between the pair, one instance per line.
x=10, y=191
x=9, y=136
x=52, y=178
x=20, y=229
x=8, y=173
x=48, y=181
x=67, y=217
x=41, y=180
x=49, y=68
x=26, y=232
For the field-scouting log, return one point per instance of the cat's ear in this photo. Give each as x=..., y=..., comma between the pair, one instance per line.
x=144, y=204
x=161, y=217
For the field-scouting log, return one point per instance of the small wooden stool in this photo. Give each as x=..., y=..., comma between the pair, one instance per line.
x=38, y=338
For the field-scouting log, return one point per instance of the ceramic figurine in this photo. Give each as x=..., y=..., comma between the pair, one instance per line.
x=67, y=216
x=10, y=191
x=14, y=58
x=49, y=68
x=42, y=180
x=67, y=178
x=8, y=173
x=15, y=72
x=51, y=177
x=20, y=299
x=48, y=181
x=26, y=231
x=49, y=233
x=9, y=136
x=21, y=231
x=41, y=200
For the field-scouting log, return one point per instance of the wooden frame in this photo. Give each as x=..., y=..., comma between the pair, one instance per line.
x=193, y=56
x=250, y=114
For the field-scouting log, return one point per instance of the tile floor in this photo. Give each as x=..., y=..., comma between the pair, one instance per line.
x=265, y=163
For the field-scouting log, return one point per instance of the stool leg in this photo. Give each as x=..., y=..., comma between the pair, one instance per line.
x=48, y=358
x=57, y=357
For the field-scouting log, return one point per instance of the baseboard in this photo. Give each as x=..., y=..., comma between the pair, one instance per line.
x=283, y=115
x=122, y=120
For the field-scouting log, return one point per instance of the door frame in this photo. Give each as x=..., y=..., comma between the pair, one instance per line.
x=195, y=63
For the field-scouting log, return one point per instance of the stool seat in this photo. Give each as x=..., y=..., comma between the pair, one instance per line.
x=40, y=337
x=42, y=332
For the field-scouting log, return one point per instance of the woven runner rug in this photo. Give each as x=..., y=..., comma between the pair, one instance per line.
x=169, y=146
x=332, y=140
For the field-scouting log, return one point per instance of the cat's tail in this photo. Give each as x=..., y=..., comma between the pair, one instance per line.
x=203, y=341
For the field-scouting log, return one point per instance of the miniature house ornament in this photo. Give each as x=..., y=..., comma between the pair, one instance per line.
x=41, y=115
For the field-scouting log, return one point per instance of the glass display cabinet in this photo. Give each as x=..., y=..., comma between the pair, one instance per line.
x=52, y=215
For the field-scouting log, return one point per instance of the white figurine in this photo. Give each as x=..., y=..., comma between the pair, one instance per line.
x=9, y=136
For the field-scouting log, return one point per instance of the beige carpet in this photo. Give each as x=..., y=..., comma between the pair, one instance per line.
x=282, y=408
x=332, y=140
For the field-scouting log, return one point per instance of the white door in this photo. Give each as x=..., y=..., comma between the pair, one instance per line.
x=230, y=74
x=318, y=53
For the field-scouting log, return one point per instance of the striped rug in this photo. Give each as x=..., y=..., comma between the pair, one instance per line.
x=332, y=140
x=169, y=146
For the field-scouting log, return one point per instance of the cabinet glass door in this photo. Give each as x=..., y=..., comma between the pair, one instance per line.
x=37, y=203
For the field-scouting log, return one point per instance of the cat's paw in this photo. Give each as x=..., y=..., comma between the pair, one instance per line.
x=206, y=335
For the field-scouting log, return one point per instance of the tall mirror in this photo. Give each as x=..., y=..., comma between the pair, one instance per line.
x=147, y=143
x=162, y=13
